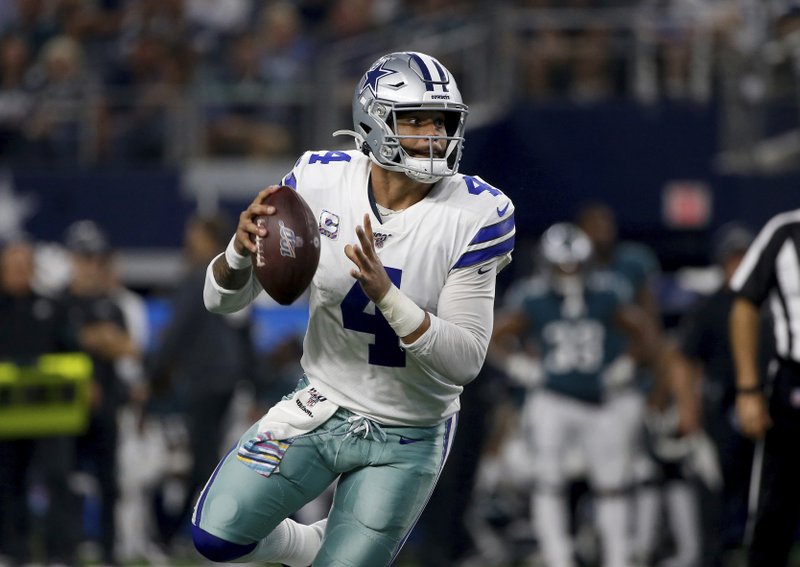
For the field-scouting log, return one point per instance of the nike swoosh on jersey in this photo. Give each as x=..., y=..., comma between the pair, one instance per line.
x=501, y=212
x=408, y=440
x=481, y=270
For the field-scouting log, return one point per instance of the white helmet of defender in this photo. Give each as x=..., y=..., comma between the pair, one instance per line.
x=566, y=250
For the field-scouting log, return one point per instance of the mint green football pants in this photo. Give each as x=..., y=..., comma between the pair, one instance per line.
x=385, y=477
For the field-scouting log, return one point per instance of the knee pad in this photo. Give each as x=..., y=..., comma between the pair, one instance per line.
x=217, y=549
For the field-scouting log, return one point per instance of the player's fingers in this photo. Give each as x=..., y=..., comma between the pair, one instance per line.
x=363, y=259
x=365, y=242
x=350, y=252
x=247, y=223
x=259, y=209
x=366, y=237
x=266, y=192
x=254, y=227
x=368, y=228
x=244, y=239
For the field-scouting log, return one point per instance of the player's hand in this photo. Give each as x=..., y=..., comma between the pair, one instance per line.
x=369, y=270
x=752, y=413
x=688, y=418
x=247, y=226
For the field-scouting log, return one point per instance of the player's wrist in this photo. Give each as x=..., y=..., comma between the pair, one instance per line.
x=236, y=260
x=745, y=390
x=402, y=314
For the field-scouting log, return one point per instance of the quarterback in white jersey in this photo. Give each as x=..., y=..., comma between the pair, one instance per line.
x=441, y=252
x=400, y=316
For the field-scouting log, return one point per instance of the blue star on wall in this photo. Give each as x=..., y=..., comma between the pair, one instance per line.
x=373, y=76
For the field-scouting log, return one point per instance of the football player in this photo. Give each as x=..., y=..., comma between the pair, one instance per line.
x=400, y=316
x=581, y=393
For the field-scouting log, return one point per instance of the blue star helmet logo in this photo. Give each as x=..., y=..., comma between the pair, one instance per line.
x=373, y=76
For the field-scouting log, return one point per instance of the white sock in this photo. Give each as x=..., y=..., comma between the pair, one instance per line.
x=290, y=543
x=646, y=521
x=685, y=524
x=550, y=523
x=612, y=522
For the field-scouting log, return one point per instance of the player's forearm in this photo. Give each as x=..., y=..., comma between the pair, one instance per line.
x=744, y=342
x=454, y=352
x=446, y=348
x=456, y=343
x=228, y=277
x=227, y=290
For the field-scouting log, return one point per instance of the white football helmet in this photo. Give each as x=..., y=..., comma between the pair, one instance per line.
x=401, y=82
x=566, y=246
x=565, y=250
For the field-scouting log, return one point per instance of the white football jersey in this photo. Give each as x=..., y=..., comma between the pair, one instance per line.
x=350, y=351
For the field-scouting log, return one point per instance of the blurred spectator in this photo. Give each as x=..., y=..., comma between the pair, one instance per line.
x=349, y=18
x=705, y=341
x=96, y=25
x=101, y=329
x=241, y=120
x=152, y=122
x=211, y=24
x=15, y=101
x=593, y=67
x=255, y=105
x=545, y=57
x=67, y=122
x=33, y=325
x=680, y=42
x=571, y=59
x=200, y=360
x=285, y=51
x=31, y=19
x=142, y=452
x=164, y=19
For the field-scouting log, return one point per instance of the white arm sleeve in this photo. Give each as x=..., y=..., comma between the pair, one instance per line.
x=220, y=300
x=455, y=344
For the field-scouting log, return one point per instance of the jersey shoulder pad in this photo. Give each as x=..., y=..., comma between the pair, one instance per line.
x=321, y=164
x=493, y=229
x=610, y=283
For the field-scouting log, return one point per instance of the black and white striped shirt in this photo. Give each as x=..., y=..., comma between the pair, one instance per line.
x=770, y=271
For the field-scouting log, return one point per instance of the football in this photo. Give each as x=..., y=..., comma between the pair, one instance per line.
x=288, y=256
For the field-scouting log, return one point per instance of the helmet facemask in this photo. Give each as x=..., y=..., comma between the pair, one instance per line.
x=392, y=155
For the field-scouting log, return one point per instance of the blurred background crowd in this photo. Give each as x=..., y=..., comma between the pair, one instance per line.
x=133, y=131
x=117, y=81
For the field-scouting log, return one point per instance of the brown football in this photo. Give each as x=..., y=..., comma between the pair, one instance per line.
x=288, y=256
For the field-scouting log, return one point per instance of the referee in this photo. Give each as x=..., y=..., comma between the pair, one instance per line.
x=770, y=272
